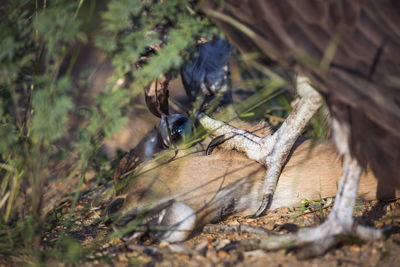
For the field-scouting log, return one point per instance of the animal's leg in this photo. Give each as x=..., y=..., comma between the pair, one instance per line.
x=172, y=221
x=340, y=222
x=286, y=136
x=253, y=146
x=272, y=150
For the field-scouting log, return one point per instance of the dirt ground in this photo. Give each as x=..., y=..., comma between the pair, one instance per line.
x=213, y=247
x=100, y=246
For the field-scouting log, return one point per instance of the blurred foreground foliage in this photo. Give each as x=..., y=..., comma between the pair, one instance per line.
x=48, y=135
x=40, y=143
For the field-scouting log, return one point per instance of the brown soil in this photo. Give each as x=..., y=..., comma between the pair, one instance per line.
x=221, y=248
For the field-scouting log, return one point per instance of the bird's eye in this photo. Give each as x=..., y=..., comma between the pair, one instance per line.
x=179, y=128
x=179, y=122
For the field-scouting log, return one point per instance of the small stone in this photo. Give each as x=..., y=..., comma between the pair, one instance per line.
x=255, y=253
x=223, y=243
x=88, y=240
x=354, y=248
x=106, y=245
x=212, y=255
x=388, y=208
x=234, y=222
x=132, y=254
x=284, y=210
x=201, y=248
x=309, y=219
x=115, y=241
x=249, y=220
x=222, y=254
x=180, y=248
x=163, y=244
x=328, y=202
x=122, y=257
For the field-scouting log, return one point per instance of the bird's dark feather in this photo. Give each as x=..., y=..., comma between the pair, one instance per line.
x=362, y=80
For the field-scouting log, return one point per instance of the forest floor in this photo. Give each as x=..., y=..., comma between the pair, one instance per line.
x=96, y=244
x=212, y=248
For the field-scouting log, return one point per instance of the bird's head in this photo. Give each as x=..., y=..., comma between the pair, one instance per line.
x=180, y=128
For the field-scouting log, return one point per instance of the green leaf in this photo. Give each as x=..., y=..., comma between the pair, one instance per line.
x=50, y=119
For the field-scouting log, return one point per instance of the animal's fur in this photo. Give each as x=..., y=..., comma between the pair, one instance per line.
x=205, y=189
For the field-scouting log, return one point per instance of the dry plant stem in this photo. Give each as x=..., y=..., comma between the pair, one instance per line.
x=229, y=229
x=271, y=151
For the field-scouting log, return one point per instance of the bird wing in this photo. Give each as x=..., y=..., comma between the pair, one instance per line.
x=348, y=49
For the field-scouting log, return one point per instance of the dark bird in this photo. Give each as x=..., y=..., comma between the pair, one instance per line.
x=350, y=51
x=230, y=183
x=206, y=75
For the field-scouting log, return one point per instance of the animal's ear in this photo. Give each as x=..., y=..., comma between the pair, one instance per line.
x=156, y=96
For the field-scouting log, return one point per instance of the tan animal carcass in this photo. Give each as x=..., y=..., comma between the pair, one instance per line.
x=182, y=192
